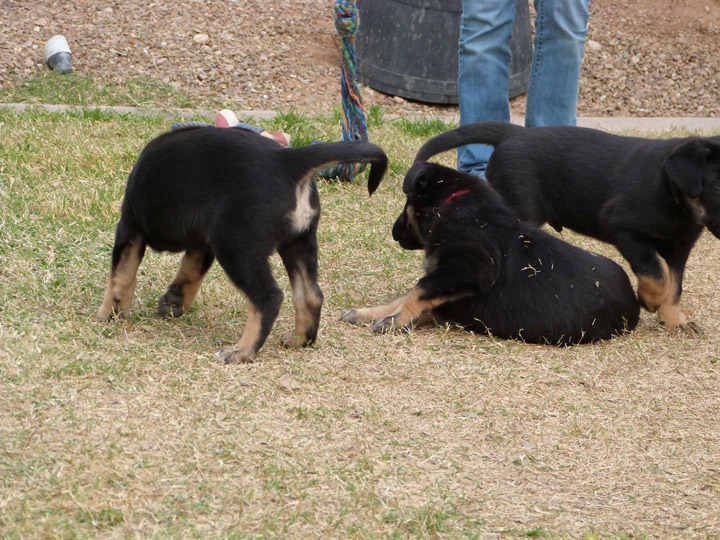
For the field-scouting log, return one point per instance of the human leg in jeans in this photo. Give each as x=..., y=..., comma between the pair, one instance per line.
x=560, y=31
x=484, y=67
x=483, y=71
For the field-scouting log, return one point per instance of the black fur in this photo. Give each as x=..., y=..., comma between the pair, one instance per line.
x=648, y=197
x=236, y=196
x=493, y=274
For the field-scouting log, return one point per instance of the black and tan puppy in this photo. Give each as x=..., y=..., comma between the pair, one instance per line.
x=234, y=196
x=651, y=198
x=494, y=274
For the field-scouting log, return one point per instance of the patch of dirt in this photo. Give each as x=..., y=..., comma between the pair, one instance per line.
x=643, y=57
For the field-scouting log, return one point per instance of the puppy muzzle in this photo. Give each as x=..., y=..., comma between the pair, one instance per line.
x=404, y=236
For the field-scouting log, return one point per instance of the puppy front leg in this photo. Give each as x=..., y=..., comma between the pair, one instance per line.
x=371, y=314
x=185, y=287
x=414, y=310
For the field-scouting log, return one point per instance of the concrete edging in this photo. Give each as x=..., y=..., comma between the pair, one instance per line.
x=606, y=123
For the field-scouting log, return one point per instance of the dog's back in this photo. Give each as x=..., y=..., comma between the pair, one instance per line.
x=185, y=180
x=547, y=291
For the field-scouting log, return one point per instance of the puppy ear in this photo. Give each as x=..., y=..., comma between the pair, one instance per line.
x=418, y=175
x=685, y=166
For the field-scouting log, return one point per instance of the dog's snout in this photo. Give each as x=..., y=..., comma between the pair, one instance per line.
x=405, y=234
x=399, y=226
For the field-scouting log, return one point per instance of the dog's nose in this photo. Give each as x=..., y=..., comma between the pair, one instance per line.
x=398, y=227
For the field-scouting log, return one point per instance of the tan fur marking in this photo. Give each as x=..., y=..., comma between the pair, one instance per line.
x=654, y=292
x=370, y=314
x=306, y=303
x=671, y=316
x=121, y=286
x=245, y=348
x=414, y=307
x=661, y=296
x=189, y=277
x=303, y=214
x=412, y=223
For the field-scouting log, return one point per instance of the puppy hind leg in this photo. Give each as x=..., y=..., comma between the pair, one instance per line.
x=658, y=289
x=263, y=298
x=184, y=288
x=670, y=315
x=662, y=296
x=126, y=258
x=300, y=260
x=655, y=290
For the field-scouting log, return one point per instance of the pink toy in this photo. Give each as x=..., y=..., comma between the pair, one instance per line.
x=227, y=118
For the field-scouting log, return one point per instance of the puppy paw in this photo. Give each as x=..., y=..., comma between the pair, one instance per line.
x=106, y=314
x=692, y=328
x=291, y=341
x=351, y=316
x=229, y=355
x=388, y=325
x=170, y=305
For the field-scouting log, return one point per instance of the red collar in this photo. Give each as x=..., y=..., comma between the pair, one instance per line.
x=456, y=194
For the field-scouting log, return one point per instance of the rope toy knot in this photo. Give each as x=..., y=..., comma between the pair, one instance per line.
x=346, y=17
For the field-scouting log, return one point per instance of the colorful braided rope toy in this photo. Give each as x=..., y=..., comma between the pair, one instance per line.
x=354, y=127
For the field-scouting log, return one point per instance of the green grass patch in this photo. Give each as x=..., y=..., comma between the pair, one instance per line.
x=75, y=89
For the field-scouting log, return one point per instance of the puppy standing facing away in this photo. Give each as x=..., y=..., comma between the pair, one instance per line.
x=493, y=274
x=233, y=195
x=651, y=198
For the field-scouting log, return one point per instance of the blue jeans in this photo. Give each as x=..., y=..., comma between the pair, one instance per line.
x=484, y=67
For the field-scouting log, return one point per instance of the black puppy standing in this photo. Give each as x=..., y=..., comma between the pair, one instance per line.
x=493, y=274
x=651, y=198
x=234, y=196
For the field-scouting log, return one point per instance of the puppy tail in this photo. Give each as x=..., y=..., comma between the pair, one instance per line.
x=492, y=133
x=314, y=158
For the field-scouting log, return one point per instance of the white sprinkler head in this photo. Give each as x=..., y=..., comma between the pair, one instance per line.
x=57, y=54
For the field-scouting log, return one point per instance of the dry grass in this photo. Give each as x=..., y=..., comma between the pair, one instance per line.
x=133, y=430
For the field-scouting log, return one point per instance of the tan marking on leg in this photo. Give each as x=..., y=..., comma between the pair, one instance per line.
x=244, y=350
x=654, y=292
x=671, y=316
x=412, y=310
x=190, y=277
x=121, y=286
x=186, y=284
x=661, y=296
x=370, y=314
x=307, y=311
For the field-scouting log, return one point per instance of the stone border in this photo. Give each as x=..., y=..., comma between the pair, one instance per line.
x=605, y=123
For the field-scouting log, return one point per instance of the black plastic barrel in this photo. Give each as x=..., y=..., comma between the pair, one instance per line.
x=409, y=48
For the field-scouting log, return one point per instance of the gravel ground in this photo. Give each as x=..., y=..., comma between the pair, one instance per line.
x=643, y=58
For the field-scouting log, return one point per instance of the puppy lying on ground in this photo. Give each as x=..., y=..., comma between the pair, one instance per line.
x=493, y=274
x=233, y=195
x=650, y=198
